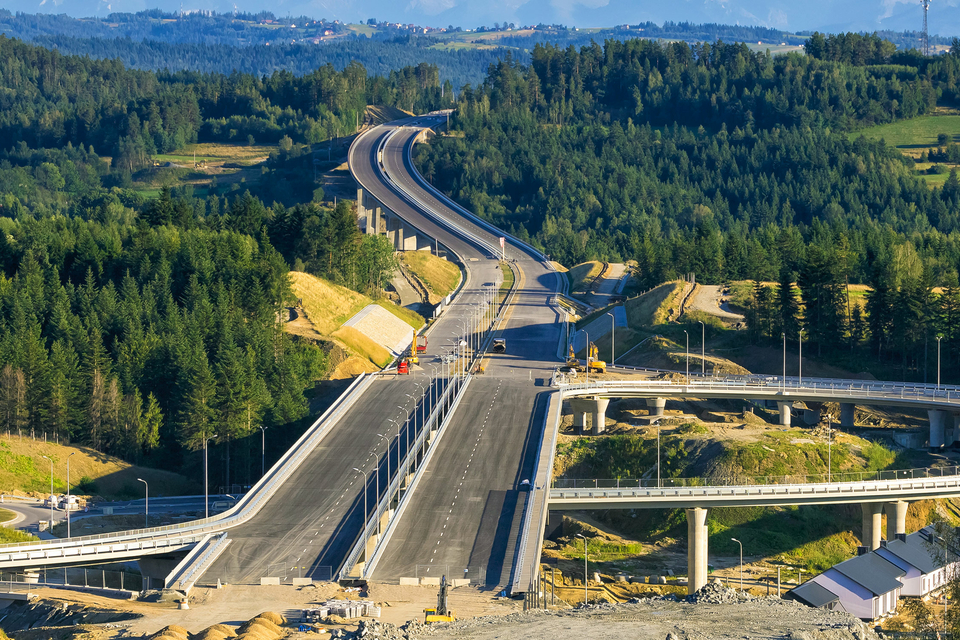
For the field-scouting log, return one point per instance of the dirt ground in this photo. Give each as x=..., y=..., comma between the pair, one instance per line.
x=763, y=618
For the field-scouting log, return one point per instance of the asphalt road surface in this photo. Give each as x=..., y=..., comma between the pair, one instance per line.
x=465, y=515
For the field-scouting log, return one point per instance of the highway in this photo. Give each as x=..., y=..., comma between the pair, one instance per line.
x=464, y=517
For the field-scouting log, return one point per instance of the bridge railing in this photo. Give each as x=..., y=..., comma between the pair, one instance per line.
x=771, y=384
x=745, y=481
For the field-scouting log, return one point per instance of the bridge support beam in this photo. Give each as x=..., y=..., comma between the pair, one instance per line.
x=785, y=408
x=938, y=419
x=847, y=413
x=872, y=520
x=600, y=415
x=655, y=406
x=580, y=408
x=896, y=518
x=696, y=549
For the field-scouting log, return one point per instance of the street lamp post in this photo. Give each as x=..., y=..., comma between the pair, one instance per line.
x=613, y=335
x=741, y=562
x=688, y=355
x=146, y=503
x=800, y=359
x=584, y=567
x=68, y=493
x=939, y=338
x=263, y=450
x=703, y=347
x=783, y=380
x=658, y=454
x=50, y=528
x=364, y=497
x=206, y=477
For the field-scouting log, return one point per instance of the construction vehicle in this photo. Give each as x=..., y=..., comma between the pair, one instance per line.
x=421, y=343
x=403, y=367
x=412, y=356
x=499, y=345
x=441, y=613
x=594, y=363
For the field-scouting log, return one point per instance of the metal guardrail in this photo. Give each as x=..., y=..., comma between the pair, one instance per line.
x=190, y=532
x=216, y=545
x=754, y=481
x=772, y=385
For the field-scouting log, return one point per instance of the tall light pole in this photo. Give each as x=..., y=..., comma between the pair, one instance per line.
x=206, y=477
x=584, y=567
x=783, y=380
x=688, y=355
x=741, y=562
x=658, y=454
x=50, y=528
x=146, y=503
x=613, y=335
x=263, y=450
x=800, y=359
x=939, y=338
x=703, y=347
x=364, y=497
x=68, y=493
x=829, y=442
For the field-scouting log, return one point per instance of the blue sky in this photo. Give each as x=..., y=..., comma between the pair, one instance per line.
x=792, y=15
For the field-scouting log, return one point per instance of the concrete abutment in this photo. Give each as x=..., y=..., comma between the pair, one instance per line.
x=656, y=406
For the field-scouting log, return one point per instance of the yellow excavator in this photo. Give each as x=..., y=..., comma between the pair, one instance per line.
x=442, y=613
x=594, y=363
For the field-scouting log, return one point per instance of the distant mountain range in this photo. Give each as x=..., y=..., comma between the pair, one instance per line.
x=822, y=15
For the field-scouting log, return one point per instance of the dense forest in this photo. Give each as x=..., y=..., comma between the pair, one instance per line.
x=730, y=164
x=142, y=326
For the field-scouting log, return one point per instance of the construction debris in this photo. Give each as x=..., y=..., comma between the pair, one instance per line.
x=346, y=609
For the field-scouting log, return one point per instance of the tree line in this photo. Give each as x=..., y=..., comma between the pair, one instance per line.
x=730, y=164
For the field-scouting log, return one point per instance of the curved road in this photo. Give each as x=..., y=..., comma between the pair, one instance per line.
x=465, y=515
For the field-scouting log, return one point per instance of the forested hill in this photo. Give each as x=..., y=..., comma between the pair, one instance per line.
x=49, y=99
x=143, y=326
x=715, y=160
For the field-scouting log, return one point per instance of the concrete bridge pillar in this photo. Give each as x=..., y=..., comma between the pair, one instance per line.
x=847, y=413
x=938, y=419
x=872, y=520
x=896, y=518
x=655, y=406
x=954, y=435
x=600, y=415
x=785, y=408
x=580, y=408
x=696, y=549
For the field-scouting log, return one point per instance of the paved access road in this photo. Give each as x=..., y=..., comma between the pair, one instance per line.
x=467, y=511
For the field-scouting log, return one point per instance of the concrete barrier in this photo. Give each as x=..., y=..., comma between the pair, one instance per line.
x=300, y=582
x=409, y=582
x=430, y=582
x=460, y=582
x=269, y=581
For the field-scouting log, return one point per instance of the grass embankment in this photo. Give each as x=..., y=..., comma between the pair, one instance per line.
x=23, y=470
x=329, y=305
x=509, y=277
x=810, y=537
x=439, y=276
x=362, y=345
x=581, y=275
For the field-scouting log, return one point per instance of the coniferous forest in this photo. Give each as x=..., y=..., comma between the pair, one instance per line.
x=730, y=164
x=141, y=326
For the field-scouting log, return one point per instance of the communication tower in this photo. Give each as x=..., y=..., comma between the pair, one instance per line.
x=925, y=38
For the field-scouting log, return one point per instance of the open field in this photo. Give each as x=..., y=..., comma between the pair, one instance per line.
x=916, y=133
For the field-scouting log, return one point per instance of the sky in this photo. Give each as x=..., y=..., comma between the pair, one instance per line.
x=790, y=15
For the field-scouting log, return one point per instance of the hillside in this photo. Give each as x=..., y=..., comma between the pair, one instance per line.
x=23, y=471
x=327, y=307
x=440, y=277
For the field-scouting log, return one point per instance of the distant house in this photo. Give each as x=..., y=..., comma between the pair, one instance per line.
x=913, y=554
x=815, y=595
x=867, y=586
